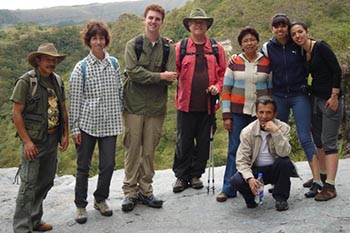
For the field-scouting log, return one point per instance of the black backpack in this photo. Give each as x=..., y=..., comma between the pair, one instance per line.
x=214, y=48
x=166, y=50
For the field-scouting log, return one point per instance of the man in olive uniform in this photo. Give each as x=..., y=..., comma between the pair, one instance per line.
x=41, y=120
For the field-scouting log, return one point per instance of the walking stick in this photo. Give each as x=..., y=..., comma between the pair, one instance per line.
x=211, y=179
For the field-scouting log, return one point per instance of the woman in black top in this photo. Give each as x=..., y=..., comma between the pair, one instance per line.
x=327, y=103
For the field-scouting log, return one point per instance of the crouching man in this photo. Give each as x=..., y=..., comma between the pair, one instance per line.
x=264, y=148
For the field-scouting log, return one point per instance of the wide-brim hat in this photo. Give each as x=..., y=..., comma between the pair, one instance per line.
x=198, y=13
x=45, y=49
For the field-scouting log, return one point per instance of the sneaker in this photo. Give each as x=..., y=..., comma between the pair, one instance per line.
x=328, y=192
x=313, y=190
x=196, y=183
x=43, y=227
x=281, y=205
x=308, y=183
x=150, y=200
x=129, y=203
x=179, y=186
x=221, y=197
x=103, y=208
x=80, y=215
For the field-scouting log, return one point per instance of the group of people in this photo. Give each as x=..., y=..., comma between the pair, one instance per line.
x=258, y=89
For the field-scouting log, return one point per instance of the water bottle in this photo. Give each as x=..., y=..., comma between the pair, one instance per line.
x=260, y=196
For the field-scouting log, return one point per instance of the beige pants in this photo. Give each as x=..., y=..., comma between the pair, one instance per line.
x=141, y=137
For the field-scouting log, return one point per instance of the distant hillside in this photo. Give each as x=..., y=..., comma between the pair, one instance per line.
x=70, y=15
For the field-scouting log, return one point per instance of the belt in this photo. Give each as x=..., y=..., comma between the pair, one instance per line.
x=52, y=131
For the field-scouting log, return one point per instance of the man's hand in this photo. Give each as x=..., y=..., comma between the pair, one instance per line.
x=270, y=127
x=30, y=150
x=254, y=185
x=213, y=90
x=64, y=143
x=168, y=76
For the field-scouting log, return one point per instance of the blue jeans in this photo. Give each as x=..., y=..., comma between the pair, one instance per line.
x=239, y=121
x=301, y=107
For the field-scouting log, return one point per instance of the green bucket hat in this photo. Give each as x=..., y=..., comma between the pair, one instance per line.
x=198, y=13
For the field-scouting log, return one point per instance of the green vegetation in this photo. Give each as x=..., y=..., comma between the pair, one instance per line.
x=329, y=20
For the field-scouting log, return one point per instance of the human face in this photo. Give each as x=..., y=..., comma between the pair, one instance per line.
x=198, y=27
x=46, y=65
x=153, y=21
x=265, y=113
x=249, y=43
x=280, y=31
x=299, y=34
x=97, y=44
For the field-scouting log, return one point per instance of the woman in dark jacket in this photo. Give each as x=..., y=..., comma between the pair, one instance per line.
x=326, y=103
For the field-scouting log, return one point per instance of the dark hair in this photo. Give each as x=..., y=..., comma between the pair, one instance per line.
x=155, y=7
x=266, y=100
x=245, y=31
x=93, y=28
x=280, y=19
x=302, y=24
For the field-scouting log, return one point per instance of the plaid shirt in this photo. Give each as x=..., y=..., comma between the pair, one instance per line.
x=97, y=107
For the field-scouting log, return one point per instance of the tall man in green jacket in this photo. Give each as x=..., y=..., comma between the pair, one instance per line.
x=145, y=98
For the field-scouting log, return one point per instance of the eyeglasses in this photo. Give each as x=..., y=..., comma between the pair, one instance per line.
x=247, y=41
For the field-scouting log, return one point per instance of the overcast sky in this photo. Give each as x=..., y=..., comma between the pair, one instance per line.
x=34, y=4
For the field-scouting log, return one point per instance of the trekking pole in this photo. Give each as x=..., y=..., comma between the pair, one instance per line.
x=211, y=148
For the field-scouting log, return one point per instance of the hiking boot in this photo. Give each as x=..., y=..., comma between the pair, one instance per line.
x=80, y=215
x=281, y=205
x=179, y=186
x=313, y=190
x=129, y=203
x=150, y=200
x=328, y=192
x=43, y=227
x=103, y=208
x=196, y=183
x=221, y=197
x=308, y=183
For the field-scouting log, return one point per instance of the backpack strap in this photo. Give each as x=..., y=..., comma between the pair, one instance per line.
x=215, y=49
x=114, y=62
x=138, y=46
x=83, y=71
x=166, y=51
x=33, y=82
x=183, y=49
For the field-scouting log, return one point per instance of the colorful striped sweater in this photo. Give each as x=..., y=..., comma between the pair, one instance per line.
x=244, y=82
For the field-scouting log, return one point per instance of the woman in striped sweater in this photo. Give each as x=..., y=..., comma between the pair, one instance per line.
x=247, y=77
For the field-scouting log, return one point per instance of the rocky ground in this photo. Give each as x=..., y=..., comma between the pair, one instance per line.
x=191, y=210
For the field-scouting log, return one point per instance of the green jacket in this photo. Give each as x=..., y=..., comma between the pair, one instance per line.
x=144, y=92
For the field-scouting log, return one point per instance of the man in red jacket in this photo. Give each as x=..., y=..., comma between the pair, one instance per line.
x=201, y=70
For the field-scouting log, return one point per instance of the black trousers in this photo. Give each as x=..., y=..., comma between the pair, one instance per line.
x=277, y=174
x=192, y=144
x=106, y=149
